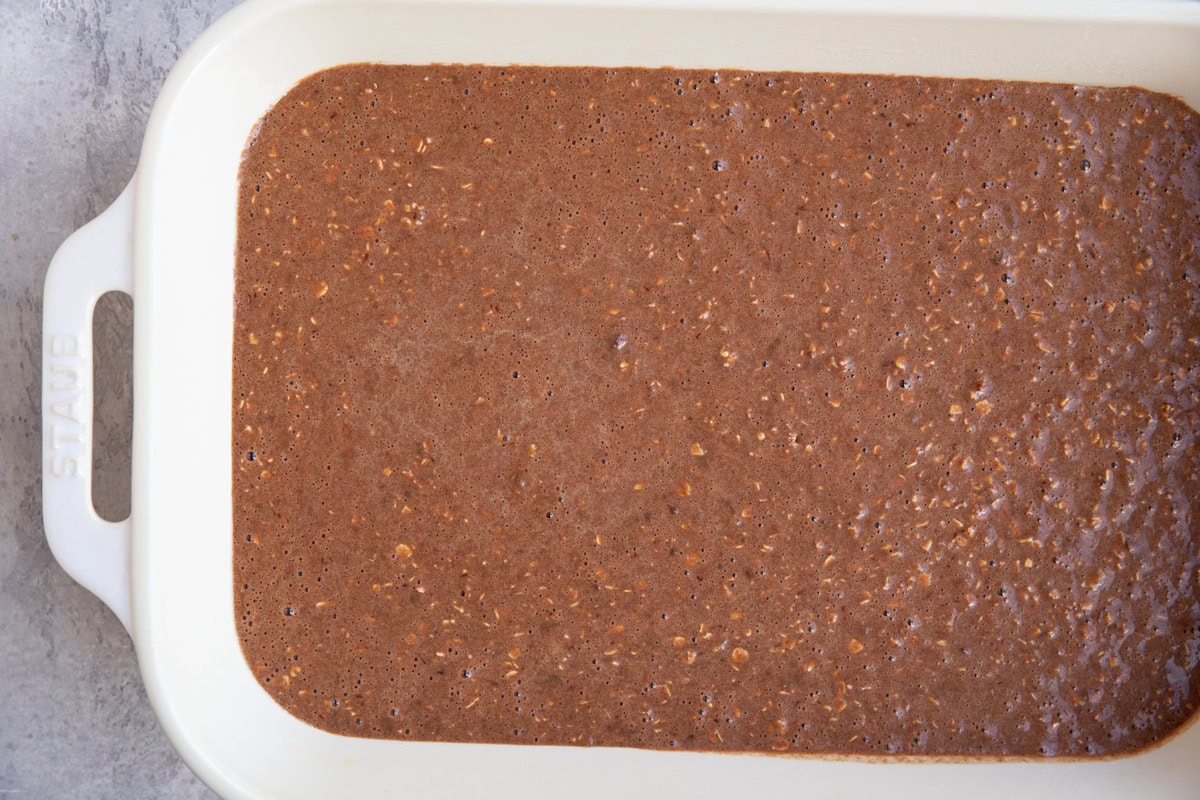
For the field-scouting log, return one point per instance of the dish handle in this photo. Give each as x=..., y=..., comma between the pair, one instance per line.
x=96, y=259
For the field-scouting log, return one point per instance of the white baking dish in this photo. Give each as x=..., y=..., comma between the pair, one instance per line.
x=170, y=240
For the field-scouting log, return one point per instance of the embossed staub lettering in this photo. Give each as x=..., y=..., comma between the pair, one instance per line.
x=65, y=397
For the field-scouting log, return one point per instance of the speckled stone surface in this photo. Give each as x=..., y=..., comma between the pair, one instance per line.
x=79, y=78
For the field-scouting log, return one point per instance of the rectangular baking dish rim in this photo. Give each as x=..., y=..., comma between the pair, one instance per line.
x=168, y=478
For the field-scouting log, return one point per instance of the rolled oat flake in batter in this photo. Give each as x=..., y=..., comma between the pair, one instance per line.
x=720, y=410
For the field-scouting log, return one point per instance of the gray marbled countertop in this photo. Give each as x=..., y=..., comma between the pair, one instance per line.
x=78, y=78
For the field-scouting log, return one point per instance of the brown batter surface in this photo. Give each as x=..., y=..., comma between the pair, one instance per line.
x=720, y=411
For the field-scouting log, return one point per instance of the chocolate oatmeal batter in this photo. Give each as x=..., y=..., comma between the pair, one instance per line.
x=720, y=411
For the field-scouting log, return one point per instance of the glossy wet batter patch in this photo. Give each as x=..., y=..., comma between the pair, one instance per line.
x=727, y=411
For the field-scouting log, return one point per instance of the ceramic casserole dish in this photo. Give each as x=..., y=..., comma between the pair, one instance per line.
x=169, y=241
